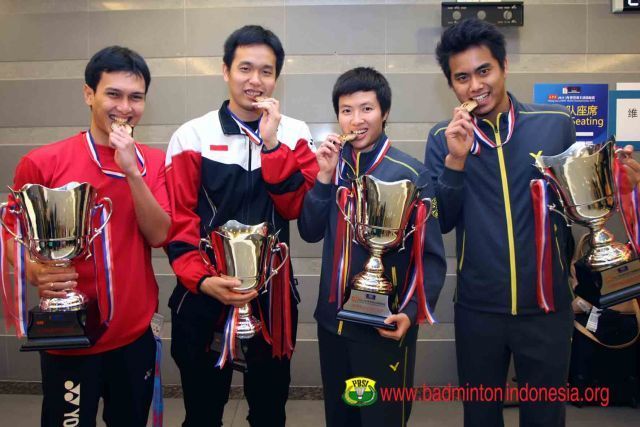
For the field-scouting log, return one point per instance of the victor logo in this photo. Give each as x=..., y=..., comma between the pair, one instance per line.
x=72, y=396
x=360, y=391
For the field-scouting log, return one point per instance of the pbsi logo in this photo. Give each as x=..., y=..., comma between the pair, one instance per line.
x=360, y=391
x=72, y=396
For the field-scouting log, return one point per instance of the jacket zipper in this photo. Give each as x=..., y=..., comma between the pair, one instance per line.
x=509, y=218
x=249, y=194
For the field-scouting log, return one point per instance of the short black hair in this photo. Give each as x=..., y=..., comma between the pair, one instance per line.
x=363, y=79
x=114, y=59
x=253, y=35
x=465, y=34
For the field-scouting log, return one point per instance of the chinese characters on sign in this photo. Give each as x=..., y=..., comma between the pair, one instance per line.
x=587, y=104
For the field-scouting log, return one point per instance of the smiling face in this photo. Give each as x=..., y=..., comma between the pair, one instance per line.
x=118, y=96
x=360, y=113
x=252, y=74
x=477, y=75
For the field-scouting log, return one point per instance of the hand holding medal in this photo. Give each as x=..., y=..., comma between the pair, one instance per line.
x=122, y=141
x=268, y=128
x=459, y=135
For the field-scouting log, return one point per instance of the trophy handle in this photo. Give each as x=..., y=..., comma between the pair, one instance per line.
x=338, y=193
x=552, y=206
x=204, y=243
x=285, y=258
x=3, y=207
x=102, y=203
x=413, y=227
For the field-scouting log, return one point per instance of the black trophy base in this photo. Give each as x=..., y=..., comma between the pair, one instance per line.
x=58, y=330
x=609, y=287
x=367, y=308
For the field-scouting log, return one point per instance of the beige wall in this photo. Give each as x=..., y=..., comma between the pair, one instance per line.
x=45, y=44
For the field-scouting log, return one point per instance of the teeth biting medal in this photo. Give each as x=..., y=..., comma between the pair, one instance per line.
x=351, y=136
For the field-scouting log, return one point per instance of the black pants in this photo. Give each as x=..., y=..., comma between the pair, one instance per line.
x=541, y=346
x=390, y=363
x=73, y=385
x=206, y=388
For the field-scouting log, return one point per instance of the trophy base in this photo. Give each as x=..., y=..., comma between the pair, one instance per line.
x=606, y=288
x=372, y=282
x=57, y=330
x=367, y=308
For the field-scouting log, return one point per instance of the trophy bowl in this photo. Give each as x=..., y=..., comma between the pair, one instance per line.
x=382, y=212
x=381, y=216
x=582, y=176
x=57, y=225
x=248, y=252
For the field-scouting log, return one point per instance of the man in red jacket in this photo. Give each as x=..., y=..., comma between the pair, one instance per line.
x=120, y=366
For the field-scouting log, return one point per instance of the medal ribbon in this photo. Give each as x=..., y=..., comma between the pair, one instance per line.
x=373, y=163
x=342, y=247
x=417, y=275
x=543, y=238
x=91, y=146
x=106, y=254
x=229, y=345
x=280, y=307
x=15, y=303
x=253, y=136
x=480, y=135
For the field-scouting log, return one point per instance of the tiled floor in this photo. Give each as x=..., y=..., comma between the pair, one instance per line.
x=24, y=410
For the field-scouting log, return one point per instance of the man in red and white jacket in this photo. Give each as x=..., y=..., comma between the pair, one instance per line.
x=249, y=163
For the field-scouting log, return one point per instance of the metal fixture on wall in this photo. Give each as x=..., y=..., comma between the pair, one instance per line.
x=500, y=13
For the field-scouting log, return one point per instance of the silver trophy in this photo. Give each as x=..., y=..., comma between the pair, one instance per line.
x=583, y=178
x=248, y=252
x=57, y=229
x=382, y=212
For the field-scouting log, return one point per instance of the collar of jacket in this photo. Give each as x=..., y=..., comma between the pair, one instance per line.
x=229, y=126
x=349, y=157
x=504, y=117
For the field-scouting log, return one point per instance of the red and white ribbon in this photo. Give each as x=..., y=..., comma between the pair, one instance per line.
x=416, y=282
x=228, y=352
x=15, y=300
x=93, y=153
x=281, y=337
x=342, y=246
x=543, y=238
x=481, y=136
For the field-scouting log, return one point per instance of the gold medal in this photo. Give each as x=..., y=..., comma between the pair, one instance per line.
x=120, y=123
x=469, y=105
x=347, y=137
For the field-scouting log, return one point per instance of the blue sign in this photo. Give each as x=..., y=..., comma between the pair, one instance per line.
x=587, y=104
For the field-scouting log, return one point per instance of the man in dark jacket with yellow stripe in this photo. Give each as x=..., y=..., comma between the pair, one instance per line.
x=481, y=164
x=361, y=101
